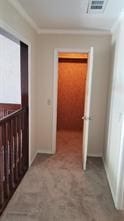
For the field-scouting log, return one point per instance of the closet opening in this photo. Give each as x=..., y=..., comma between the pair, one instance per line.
x=72, y=75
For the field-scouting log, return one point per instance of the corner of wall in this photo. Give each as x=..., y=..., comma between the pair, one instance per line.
x=109, y=182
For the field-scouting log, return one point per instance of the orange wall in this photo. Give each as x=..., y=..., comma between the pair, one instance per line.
x=73, y=55
x=71, y=93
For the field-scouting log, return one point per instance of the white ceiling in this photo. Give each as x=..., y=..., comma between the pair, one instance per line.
x=69, y=14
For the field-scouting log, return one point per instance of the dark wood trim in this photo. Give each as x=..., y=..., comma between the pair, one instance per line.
x=24, y=95
x=73, y=60
x=24, y=74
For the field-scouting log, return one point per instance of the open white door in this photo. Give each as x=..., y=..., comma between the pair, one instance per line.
x=86, y=118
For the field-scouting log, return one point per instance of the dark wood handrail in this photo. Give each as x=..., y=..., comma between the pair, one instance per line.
x=12, y=115
x=6, y=109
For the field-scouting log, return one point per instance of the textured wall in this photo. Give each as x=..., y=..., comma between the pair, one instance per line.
x=71, y=94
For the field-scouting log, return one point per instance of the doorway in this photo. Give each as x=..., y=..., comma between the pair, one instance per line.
x=87, y=100
x=72, y=72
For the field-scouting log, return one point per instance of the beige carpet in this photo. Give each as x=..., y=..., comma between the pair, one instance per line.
x=56, y=189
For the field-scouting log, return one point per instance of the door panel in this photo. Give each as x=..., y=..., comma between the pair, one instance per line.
x=86, y=118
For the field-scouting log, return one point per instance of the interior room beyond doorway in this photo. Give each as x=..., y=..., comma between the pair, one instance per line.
x=72, y=72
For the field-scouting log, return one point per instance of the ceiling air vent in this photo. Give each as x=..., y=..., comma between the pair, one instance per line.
x=96, y=6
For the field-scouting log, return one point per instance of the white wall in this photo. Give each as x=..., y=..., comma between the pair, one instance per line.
x=46, y=46
x=11, y=20
x=112, y=157
x=10, y=81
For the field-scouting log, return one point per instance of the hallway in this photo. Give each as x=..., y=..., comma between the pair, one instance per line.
x=56, y=189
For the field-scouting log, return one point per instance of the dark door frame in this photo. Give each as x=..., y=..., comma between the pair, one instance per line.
x=24, y=94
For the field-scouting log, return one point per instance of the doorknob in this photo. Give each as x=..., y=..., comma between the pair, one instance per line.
x=86, y=118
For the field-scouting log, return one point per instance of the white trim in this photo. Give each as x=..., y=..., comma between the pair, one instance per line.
x=55, y=93
x=55, y=89
x=23, y=13
x=7, y=28
x=43, y=151
x=118, y=21
x=87, y=107
x=71, y=50
x=75, y=32
x=95, y=155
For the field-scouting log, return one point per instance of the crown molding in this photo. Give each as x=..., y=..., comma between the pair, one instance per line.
x=117, y=23
x=23, y=13
x=74, y=32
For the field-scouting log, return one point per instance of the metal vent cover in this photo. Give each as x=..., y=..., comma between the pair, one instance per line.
x=96, y=6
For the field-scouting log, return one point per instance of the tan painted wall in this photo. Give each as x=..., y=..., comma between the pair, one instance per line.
x=46, y=46
x=71, y=95
x=114, y=124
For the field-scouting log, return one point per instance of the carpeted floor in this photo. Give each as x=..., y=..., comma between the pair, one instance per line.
x=56, y=189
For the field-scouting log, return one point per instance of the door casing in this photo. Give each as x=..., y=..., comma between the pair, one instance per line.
x=55, y=88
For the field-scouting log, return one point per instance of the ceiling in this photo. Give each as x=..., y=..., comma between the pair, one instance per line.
x=69, y=14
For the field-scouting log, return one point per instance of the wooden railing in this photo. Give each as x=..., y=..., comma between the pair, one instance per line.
x=6, y=109
x=13, y=153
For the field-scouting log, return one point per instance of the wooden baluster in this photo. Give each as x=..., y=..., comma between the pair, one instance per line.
x=17, y=140
x=19, y=143
x=15, y=149
x=6, y=183
x=8, y=149
x=22, y=141
x=21, y=138
x=13, y=153
x=25, y=140
x=12, y=158
x=1, y=170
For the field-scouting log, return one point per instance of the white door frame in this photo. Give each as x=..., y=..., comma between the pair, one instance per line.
x=55, y=88
x=20, y=37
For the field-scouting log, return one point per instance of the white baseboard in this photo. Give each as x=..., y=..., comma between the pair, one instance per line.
x=32, y=159
x=39, y=152
x=110, y=184
x=44, y=151
x=95, y=155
